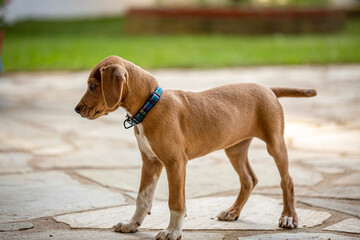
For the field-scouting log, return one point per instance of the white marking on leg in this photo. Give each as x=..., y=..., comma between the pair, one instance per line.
x=143, y=207
x=143, y=143
x=176, y=220
x=144, y=202
x=174, y=230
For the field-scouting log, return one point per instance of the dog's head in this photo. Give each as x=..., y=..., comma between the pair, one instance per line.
x=105, y=88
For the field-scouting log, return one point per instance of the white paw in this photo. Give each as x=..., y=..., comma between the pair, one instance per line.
x=126, y=227
x=169, y=234
x=227, y=215
x=287, y=222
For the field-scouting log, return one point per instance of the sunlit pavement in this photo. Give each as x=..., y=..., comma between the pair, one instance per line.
x=65, y=177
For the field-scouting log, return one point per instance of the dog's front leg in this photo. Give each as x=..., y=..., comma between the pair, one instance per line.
x=150, y=173
x=176, y=177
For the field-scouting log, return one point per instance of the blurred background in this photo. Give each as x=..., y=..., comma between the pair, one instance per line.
x=65, y=177
x=73, y=35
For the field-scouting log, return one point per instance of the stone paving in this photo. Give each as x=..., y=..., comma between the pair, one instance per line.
x=64, y=177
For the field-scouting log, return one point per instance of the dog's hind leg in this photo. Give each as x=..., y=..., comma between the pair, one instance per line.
x=238, y=155
x=277, y=149
x=150, y=173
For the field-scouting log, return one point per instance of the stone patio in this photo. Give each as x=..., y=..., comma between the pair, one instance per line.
x=64, y=177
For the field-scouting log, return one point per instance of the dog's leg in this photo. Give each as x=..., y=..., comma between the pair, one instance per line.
x=176, y=177
x=239, y=159
x=150, y=173
x=277, y=148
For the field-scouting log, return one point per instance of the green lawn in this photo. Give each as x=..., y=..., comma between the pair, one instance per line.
x=73, y=45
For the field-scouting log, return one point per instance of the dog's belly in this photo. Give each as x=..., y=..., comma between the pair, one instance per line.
x=196, y=152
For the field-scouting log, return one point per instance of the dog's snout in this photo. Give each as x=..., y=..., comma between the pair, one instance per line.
x=78, y=109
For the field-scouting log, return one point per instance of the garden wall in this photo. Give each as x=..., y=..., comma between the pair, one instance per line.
x=233, y=21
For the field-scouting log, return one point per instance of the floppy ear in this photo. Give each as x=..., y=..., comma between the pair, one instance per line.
x=112, y=79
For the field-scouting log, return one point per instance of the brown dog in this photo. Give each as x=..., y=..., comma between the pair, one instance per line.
x=186, y=125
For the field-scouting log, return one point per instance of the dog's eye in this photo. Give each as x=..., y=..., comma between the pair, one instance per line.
x=92, y=87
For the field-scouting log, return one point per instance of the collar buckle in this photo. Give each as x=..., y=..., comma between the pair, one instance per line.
x=128, y=123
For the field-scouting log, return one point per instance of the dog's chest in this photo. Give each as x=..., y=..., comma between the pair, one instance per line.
x=143, y=143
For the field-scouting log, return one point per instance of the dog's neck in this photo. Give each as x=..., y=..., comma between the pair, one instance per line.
x=139, y=87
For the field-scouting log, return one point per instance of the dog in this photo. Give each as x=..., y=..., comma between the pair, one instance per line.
x=180, y=126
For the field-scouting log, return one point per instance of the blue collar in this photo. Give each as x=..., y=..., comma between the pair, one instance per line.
x=140, y=115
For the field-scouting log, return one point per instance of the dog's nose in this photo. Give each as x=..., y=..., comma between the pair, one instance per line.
x=78, y=109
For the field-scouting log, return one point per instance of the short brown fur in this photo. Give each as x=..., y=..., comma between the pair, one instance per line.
x=186, y=125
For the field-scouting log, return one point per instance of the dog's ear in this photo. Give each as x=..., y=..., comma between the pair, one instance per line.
x=113, y=78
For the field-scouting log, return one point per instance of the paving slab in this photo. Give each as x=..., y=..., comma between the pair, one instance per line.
x=66, y=120
x=96, y=235
x=323, y=162
x=87, y=157
x=352, y=209
x=41, y=194
x=350, y=225
x=349, y=179
x=260, y=213
x=297, y=236
x=328, y=138
x=29, y=131
x=14, y=162
x=339, y=192
x=18, y=135
x=109, y=128
x=333, y=161
x=329, y=170
x=4, y=227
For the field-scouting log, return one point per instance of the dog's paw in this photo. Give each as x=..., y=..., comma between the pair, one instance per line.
x=126, y=227
x=169, y=234
x=288, y=222
x=228, y=215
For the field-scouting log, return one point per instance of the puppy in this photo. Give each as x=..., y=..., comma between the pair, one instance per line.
x=174, y=126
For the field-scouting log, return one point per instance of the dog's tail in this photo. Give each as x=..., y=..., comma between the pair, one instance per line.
x=293, y=92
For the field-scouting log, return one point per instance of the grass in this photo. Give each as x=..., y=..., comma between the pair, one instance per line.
x=80, y=44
